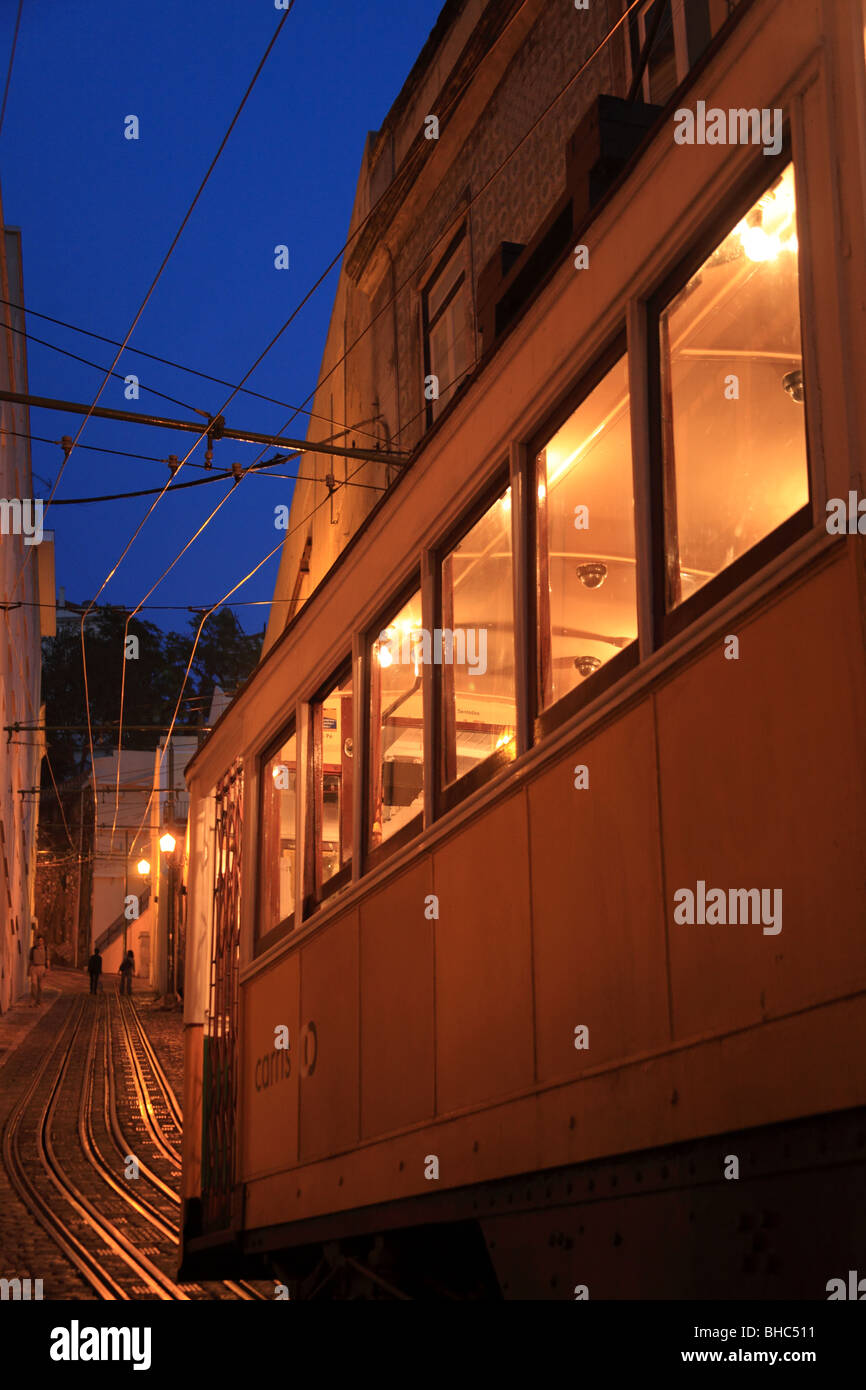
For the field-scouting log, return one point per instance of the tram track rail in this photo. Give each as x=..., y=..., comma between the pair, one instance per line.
x=242, y=1288
x=112, y=1263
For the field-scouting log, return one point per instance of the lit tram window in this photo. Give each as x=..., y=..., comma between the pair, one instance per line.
x=333, y=761
x=396, y=724
x=587, y=606
x=278, y=834
x=476, y=663
x=732, y=396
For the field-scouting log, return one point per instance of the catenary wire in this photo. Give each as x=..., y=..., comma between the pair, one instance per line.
x=355, y=233
x=215, y=474
x=167, y=257
x=11, y=61
x=465, y=206
x=303, y=522
x=180, y=367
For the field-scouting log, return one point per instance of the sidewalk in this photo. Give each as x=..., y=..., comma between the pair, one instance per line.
x=17, y=1022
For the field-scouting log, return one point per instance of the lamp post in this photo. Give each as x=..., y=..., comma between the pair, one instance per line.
x=168, y=844
x=125, y=889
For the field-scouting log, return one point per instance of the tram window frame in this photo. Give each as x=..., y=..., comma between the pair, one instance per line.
x=668, y=622
x=546, y=720
x=373, y=855
x=450, y=794
x=265, y=940
x=317, y=890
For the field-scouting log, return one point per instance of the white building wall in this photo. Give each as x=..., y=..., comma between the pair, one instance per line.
x=26, y=579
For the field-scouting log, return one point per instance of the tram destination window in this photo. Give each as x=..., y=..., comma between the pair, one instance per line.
x=473, y=650
x=332, y=754
x=447, y=321
x=396, y=726
x=585, y=540
x=278, y=835
x=732, y=417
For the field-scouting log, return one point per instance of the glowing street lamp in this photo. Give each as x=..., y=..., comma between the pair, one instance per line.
x=143, y=867
x=167, y=842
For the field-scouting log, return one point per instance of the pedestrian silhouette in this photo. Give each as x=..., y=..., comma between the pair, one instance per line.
x=127, y=970
x=94, y=969
x=38, y=966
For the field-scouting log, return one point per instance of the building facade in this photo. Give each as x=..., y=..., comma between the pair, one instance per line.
x=140, y=842
x=525, y=881
x=26, y=616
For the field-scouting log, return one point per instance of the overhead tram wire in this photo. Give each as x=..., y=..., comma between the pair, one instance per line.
x=12, y=645
x=180, y=700
x=358, y=229
x=11, y=61
x=43, y=342
x=177, y=366
x=120, y=350
x=328, y=447
x=214, y=474
x=165, y=260
x=295, y=410
x=465, y=206
x=165, y=572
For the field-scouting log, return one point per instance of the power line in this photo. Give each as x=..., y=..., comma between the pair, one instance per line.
x=11, y=61
x=443, y=236
x=303, y=522
x=180, y=367
x=198, y=482
x=354, y=234
x=43, y=342
x=215, y=429
x=214, y=473
x=168, y=254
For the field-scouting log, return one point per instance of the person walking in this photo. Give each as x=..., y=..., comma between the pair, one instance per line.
x=38, y=967
x=127, y=970
x=94, y=969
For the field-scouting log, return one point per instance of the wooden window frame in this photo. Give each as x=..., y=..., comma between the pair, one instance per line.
x=317, y=890
x=263, y=941
x=546, y=720
x=450, y=794
x=372, y=856
x=668, y=622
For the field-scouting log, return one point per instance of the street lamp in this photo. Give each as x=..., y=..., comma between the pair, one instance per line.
x=143, y=867
x=167, y=842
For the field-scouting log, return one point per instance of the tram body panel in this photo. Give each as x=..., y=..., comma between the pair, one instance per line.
x=592, y=948
x=398, y=1027
x=268, y=1077
x=330, y=1089
x=598, y=914
x=484, y=959
x=761, y=780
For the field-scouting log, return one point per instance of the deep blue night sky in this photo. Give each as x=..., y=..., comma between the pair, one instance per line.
x=98, y=212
